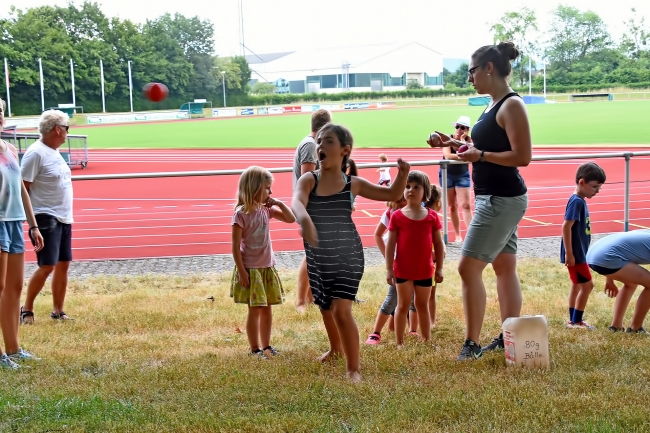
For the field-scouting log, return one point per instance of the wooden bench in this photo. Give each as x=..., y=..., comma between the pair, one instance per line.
x=592, y=97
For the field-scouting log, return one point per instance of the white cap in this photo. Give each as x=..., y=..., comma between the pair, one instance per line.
x=463, y=120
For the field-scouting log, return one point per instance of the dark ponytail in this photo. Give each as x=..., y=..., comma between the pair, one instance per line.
x=352, y=168
x=499, y=55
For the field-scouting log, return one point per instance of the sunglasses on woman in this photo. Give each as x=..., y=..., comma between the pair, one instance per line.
x=463, y=127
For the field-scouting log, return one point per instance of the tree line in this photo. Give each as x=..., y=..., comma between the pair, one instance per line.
x=578, y=50
x=174, y=50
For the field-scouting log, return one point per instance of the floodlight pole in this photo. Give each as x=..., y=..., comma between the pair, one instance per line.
x=530, y=76
x=7, y=83
x=101, y=70
x=40, y=69
x=74, y=100
x=223, y=81
x=544, y=79
x=130, y=86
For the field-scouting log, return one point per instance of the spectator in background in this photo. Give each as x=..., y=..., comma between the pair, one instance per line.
x=306, y=160
x=47, y=177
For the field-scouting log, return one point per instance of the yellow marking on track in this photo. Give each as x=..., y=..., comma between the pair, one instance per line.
x=538, y=222
x=368, y=213
x=633, y=225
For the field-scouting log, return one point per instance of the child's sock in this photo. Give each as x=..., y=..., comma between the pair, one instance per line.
x=571, y=310
x=577, y=316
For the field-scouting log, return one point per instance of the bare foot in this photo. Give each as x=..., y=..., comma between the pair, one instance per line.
x=302, y=308
x=328, y=356
x=353, y=376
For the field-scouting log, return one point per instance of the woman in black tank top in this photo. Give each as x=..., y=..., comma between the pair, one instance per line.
x=502, y=143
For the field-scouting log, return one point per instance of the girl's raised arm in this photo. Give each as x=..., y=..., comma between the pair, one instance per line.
x=299, y=208
x=361, y=187
x=280, y=211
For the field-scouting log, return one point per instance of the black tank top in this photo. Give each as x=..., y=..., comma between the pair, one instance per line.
x=488, y=178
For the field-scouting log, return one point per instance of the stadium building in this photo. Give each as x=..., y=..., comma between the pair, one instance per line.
x=380, y=67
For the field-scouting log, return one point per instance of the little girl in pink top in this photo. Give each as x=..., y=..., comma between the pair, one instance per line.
x=255, y=281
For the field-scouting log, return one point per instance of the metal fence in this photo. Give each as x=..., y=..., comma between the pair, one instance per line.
x=74, y=151
x=627, y=156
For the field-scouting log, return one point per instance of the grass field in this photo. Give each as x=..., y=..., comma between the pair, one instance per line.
x=551, y=124
x=154, y=354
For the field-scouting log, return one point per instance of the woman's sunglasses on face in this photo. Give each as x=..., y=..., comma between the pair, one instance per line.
x=462, y=127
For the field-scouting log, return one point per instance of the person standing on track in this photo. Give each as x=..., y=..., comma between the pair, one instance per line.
x=502, y=142
x=47, y=177
x=15, y=207
x=304, y=161
x=458, y=182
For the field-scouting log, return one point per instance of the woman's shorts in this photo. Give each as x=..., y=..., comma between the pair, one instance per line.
x=493, y=229
x=12, y=240
x=264, y=288
x=455, y=180
x=603, y=271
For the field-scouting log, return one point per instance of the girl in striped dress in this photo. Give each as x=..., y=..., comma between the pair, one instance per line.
x=322, y=204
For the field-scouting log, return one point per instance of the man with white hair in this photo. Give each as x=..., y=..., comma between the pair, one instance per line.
x=47, y=177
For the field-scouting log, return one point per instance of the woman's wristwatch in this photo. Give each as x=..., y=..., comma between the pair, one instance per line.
x=481, y=158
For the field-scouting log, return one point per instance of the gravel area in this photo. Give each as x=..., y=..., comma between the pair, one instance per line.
x=548, y=247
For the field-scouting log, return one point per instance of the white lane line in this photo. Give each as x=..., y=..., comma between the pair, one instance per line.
x=202, y=205
x=164, y=207
x=127, y=208
x=91, y=209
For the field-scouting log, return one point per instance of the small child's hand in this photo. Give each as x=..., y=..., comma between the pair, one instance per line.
x=570, y=260
x=272, y=202
x=611, y=289
x=390, y=277
x=244, y=281
x=439, y=277
x=403, y=166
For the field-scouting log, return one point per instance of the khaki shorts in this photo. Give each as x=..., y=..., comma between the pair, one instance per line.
x=494, y=227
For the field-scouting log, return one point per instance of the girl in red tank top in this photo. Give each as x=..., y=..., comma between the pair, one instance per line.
x=411, y=232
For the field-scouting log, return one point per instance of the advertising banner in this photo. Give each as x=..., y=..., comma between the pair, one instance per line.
x=224, y=112
x=307, y=108
x=22, y=123
x=276, y=110
x=331, y=107
x=246, y=111
x=262, y=110
x=292, y=109
x=356, y=106
x=135, y=117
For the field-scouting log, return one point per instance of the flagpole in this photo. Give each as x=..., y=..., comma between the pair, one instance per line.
x=545, y=79
x=74, y=101
x=101, y=70
x=7, y=83
x=530, y=76
x=40, y=68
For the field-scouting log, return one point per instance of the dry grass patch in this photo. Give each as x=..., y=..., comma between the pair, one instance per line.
x=155, y=354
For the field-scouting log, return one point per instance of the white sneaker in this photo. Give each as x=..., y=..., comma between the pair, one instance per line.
x=6, y=362
x=23, y=355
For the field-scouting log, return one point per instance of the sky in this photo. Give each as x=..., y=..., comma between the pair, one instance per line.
x=453, y=29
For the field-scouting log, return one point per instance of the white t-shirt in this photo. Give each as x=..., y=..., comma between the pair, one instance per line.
x=51, y=184
x=384, y=173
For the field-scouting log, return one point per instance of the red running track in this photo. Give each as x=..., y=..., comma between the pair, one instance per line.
x=138, y=218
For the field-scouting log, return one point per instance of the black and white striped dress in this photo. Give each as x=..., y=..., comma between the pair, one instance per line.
x=336, y=266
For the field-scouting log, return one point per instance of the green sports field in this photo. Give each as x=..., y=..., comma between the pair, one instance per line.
x=591, y=123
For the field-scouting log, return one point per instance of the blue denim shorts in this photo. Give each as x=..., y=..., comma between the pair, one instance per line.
x=455, y=180
x=12, y=240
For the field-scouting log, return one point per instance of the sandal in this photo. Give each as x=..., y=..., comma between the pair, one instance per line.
x=60, y=316
x=24, y=315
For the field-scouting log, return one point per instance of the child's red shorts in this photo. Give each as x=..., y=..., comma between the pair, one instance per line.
x=579, y=273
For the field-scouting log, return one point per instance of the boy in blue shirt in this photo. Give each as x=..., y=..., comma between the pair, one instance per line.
x=618, y=258
x=576, y=237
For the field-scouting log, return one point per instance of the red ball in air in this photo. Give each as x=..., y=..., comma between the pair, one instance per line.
x=155, y=92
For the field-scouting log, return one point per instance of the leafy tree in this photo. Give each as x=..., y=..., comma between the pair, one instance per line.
x=516, y=27
x=261, y=88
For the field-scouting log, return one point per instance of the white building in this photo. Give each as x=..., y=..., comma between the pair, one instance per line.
x=380, y=67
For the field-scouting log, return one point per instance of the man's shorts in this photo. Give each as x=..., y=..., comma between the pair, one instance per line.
x=12, y=240
x=579, y=273
x=57, y=237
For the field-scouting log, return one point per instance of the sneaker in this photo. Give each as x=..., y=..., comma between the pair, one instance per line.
x=373, y=339
x=6, y=362
x=23, y=355
x=638, y=331
x=470, y=350
x=615, y=329
x=258, y=354
x=582, y=325
x=497, y=344
x=272, y=350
